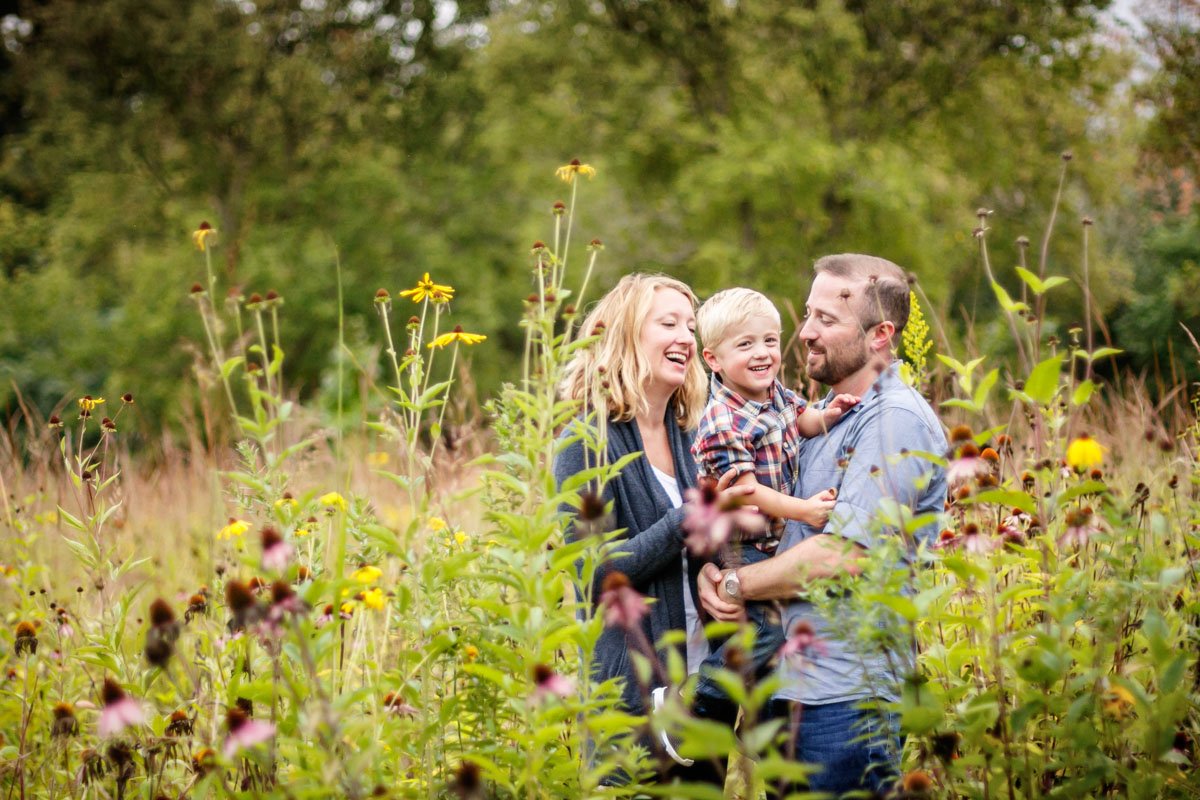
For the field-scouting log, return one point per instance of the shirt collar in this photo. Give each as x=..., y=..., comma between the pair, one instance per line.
x=729, y=397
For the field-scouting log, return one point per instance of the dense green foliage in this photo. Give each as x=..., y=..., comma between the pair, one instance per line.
x=738, y=142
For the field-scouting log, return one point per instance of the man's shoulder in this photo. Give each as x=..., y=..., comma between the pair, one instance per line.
x=904, y=413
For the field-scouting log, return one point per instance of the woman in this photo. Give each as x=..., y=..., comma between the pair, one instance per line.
x=644, y=372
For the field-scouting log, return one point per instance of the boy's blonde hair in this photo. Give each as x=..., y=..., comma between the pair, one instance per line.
x=617, y=358
x=728, y=311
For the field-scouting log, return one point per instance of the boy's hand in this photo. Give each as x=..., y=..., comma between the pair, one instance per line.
x=838, y=406
x=820, y=506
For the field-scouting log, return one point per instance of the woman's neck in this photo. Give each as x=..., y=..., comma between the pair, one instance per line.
x=656, y=411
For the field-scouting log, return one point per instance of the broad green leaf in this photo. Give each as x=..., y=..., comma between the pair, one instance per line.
x=1031, y=280
x=1043, y=380
x=1006, y=302
x=1082, y=393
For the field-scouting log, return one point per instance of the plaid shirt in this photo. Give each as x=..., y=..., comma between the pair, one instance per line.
x=749, y=436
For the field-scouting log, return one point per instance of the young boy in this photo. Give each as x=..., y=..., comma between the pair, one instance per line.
x=753, y=424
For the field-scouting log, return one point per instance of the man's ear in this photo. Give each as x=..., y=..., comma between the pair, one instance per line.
x=711, y=360
x=881, y=339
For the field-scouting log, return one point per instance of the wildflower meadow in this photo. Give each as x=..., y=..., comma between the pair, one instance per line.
x=374, y=597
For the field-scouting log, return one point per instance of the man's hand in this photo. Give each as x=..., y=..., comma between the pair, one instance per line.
x=711, y=587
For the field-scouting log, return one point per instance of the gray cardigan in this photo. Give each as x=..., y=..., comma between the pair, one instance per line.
x=650, y=547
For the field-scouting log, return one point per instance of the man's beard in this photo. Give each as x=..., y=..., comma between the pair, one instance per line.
x=840, y=362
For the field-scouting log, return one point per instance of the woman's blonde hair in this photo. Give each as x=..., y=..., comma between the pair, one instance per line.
x=614, y=371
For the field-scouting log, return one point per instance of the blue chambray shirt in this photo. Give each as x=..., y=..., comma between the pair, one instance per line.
x=864, y=456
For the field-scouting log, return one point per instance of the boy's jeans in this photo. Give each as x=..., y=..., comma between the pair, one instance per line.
x=711, y=701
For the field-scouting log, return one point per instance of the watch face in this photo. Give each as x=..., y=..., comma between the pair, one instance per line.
x=732, y=584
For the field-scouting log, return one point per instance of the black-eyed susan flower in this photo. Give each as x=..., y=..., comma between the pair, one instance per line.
x=89, y=403
x=333, y=500
x=367, y=574
x=234, y=529
x=203, y=760
x=426, y=288
x=567, y=172
x=373, y=598
x=457, y=335
x=202, y=235
x=1118, y=702
x=1084, y=453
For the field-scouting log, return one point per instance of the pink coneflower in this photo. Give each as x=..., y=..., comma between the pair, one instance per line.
x=244, y=731
x=549, y=682
x=1081, y=525
x=710, y=520
x=120, y=710
x=276, y=552
x=967, y=465
x=393, y=703
x=976, y=542
x=801, y=643
x=284, y=602
x=623, y=606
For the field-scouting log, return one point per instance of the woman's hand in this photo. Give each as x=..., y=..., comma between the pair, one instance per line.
x=708, y=587
x=730, y=493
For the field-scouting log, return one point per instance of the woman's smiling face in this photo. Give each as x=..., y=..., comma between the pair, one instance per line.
x=668, y=340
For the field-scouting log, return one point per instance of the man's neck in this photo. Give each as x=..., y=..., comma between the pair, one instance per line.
x=860, y=382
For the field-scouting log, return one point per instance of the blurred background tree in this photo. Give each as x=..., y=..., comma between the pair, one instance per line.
x=736, y=142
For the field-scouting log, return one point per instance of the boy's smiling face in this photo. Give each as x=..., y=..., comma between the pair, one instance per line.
x=748, y=361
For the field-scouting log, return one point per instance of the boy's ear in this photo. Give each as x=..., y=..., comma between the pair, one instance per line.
x=711, y=360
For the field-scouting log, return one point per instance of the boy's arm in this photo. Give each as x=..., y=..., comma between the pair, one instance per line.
x=813, y=510
x=815, y=422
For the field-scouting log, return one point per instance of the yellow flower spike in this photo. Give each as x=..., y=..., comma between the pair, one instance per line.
x=333, y=500
x=457, y=335
x=373, y=599
x=87, y=402
x=202, y=234
x=426, y=288
x=437, y=524
x=1085, y=453
x=567, y=173
x=236, y=528
x=367, y=574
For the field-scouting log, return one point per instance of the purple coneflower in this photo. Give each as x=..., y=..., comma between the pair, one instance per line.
x=1081, y=525
x=120, y=710
x=623, y=606
x=276, y=552
x=710, y=520
x=549, y=682
x=244, y=731
x=967, y=465
x=801, y=643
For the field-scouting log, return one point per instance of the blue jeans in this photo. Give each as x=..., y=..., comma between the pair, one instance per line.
x=768, y=638
x=856, y=747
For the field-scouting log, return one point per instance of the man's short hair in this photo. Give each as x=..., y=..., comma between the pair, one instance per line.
x=886, y=296
x=726, y=313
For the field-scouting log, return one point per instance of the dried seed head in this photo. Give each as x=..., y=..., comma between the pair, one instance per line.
x=161, y=614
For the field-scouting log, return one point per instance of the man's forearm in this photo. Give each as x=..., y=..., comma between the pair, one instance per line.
x=784, y=575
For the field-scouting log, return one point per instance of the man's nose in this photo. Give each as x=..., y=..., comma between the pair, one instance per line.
x=807, y=332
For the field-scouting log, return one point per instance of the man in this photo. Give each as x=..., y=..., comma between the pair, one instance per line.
x=856, y=311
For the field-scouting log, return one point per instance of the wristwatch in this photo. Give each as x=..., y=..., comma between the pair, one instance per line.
x=733, y=585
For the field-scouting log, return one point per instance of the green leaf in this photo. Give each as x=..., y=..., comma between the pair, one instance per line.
x=1043, y=380
x=985, y=387
x=1052, y=281
x=1005, y=497
x=1006, y=302
x=1082, y=393
x=230, y=365
x=1031, y=280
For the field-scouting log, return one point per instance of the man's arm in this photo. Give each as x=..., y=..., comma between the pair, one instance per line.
x=784, y=575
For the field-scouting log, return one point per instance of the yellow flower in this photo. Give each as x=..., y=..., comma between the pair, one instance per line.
x=377, y=459
x=460, y=538
x=287, y=501
x=568, y=172
x=471, y=652
x=457, y=335
x=1118, y=702
x=87, y=402
x=437, y=524
x=425, y=287
x=202, y=234
x=235, y=528
x=1085, y=453
x=373, y=598
x=333, y=500
x=366, y=574
x=347, y=607
x=300, y=533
